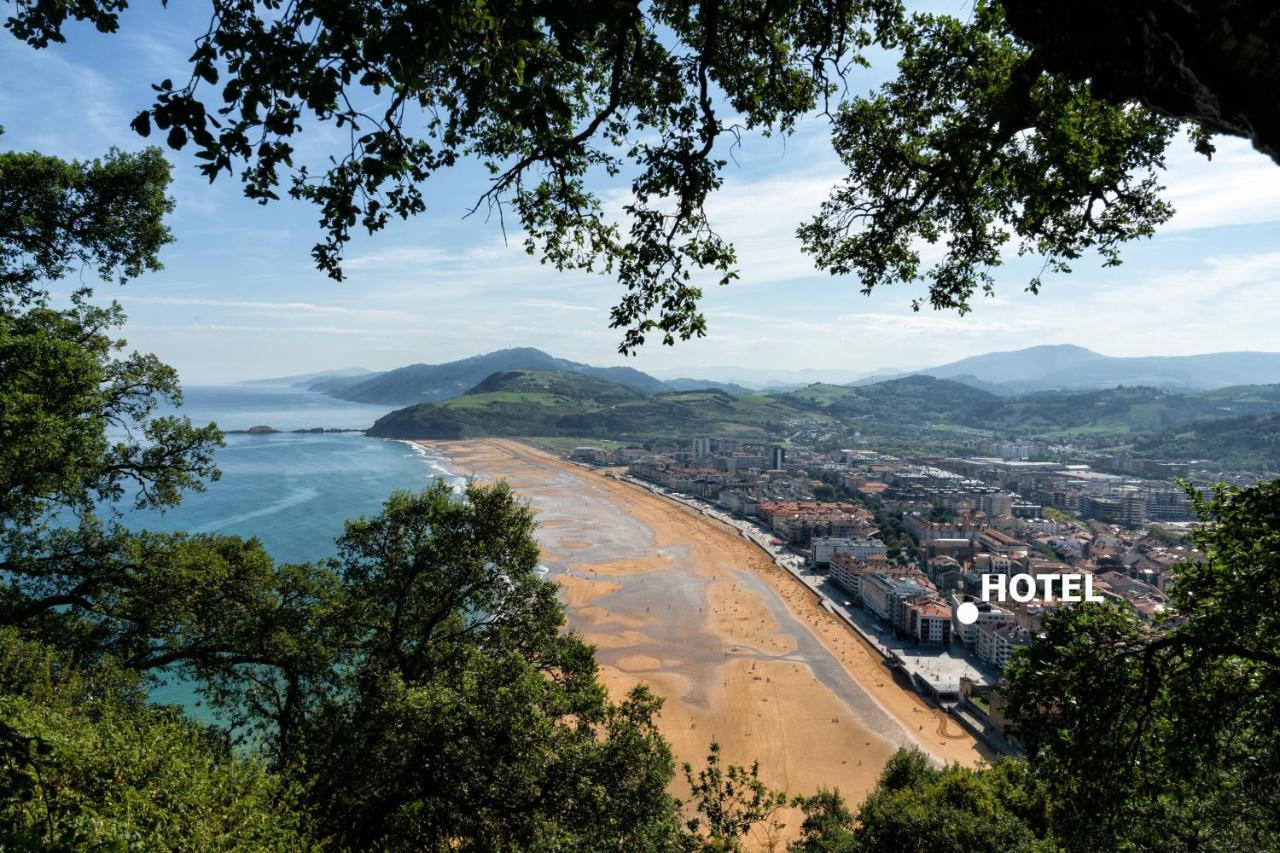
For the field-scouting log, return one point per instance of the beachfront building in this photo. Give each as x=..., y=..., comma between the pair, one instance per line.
x=931, y=623
x=850, y=573
x=800, y=521
x=826, y=547
x=594, y=455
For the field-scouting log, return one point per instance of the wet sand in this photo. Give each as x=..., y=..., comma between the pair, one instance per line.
x=739, y=650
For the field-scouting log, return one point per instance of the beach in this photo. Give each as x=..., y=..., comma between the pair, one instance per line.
x=739, y=650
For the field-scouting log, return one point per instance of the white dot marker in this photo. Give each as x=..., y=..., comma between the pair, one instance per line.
x=967, y=613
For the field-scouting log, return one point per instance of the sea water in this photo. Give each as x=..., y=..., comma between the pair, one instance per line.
x=291, y=491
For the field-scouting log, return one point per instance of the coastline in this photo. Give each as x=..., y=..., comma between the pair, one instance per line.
x=738, y=648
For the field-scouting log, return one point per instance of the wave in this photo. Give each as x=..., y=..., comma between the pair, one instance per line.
x=438, y=463
x=295, y=497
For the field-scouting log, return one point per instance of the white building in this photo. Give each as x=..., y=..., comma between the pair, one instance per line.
x=996, y=642
x=860, y=549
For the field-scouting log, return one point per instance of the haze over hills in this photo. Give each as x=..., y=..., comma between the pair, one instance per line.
x=544, y=403
x=304, y=379
x=1009, y=373
x=1068, y=367
x=424, y=383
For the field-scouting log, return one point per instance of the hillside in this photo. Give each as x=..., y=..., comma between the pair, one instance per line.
x=1068, y=367
x=307, y=380
x=913, y=400
x=419, y=383
x=1250, y=442
x=685, y=384
x=905, y=411
x=1118, y=412
x=543, y=403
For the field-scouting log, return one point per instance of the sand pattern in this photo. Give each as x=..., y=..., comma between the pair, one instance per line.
x=737, y=648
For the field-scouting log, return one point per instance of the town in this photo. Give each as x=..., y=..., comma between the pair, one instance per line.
x=908, y=548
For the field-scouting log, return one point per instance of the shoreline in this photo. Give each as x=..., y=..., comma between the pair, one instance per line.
x=739, y=649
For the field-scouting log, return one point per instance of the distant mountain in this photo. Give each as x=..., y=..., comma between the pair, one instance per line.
x=683, y=384
x=542, y=403
x=913, y=401
x=1068, y=367
x=422, y=383
x=759, y=378
x=307, y=379
x=1234, y=425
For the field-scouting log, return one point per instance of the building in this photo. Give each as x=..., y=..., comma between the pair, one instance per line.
x=826, y=547
x=996, y=642
x=849, y=573
x=931, y=623
x=701, y=448
x=1169, y=505
x=593, y=455
x=996, y=504
x=777, y=458
x=995, y=542
x=875, y=594
x=1124, y=508
x=988, y=614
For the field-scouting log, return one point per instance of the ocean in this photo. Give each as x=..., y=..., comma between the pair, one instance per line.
x=292, y=491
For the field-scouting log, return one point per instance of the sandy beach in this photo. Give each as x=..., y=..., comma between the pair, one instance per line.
x=739, y=650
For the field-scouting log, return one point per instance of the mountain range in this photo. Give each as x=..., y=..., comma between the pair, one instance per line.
x=1068, y=367
x=1011, y=373
x=425, y=383
x=1220, y=425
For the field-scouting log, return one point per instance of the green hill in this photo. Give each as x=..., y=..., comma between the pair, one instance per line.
x=915, y=401
x=1120, y=412
x=907, y=411
x=542, y=403
x=507, y=403
x=1250, y=442
x=419, y=383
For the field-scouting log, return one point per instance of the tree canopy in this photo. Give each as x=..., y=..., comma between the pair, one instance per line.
x=1015, y=129
x=415, y=691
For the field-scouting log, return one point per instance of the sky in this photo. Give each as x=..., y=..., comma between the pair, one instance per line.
x=239, y=297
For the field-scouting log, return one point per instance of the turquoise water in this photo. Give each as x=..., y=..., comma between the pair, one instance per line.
x=291, y=491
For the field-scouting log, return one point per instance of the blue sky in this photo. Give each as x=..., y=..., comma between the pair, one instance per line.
x=239, y=298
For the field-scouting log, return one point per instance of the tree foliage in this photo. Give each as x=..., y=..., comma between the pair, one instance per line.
x=917, y=806
x=975, y=146
x=85, y=763
x=416, y=690
x=1210, y=63
x=730, y=804
x=1165, y=736
x=460, y=712
x=58, y=217
x=548, y=94
x=1000, y=132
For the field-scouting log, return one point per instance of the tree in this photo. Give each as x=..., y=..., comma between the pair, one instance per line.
x=828, y=824
x=976, y=146
x=1208, y=63
x=916, y=806
x=1017, y=128
x=77, y=421
x=56, y=216
x=85, y=762
x=730, y=803
x=1165, y=735
x=463, y=715
x=417, y=690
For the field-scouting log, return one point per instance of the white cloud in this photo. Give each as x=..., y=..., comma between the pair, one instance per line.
x=1238, y=186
